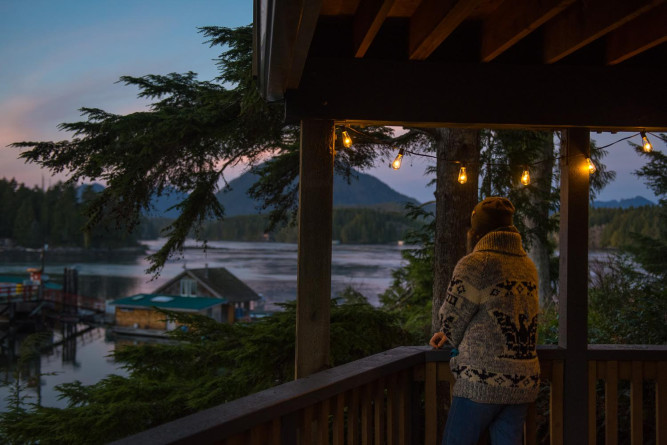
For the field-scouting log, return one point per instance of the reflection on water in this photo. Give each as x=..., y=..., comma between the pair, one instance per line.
x=268, y=268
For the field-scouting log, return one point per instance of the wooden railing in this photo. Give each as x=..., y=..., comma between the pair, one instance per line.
x=623, y=377
x=392, y=398
x=31, y=292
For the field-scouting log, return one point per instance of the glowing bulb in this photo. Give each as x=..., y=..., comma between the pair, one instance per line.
x=463, y=176
x=525, y=177
x=591, y=166
x=347, y=140
x=399, y=159
x=645, y=142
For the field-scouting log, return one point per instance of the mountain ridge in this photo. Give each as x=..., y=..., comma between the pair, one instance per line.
x=625, y=203
x=363, y=191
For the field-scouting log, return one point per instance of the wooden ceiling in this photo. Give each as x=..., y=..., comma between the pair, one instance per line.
x=476, y=63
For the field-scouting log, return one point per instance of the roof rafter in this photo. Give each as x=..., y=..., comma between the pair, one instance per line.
x=308, y=21
x=513, y=21
x=367, y=22
x=626, y=42
x=434, y=21
x=583, y=23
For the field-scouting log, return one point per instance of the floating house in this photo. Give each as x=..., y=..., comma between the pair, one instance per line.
x=215, y=282
x=214, y=292
x=138, y=315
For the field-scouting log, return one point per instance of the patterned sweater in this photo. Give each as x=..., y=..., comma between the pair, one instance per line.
x=490, y=316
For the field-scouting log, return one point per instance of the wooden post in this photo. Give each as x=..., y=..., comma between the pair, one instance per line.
x=573, y=282
x=314, y=253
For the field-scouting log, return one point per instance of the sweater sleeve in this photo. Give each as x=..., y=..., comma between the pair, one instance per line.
x=461, y=304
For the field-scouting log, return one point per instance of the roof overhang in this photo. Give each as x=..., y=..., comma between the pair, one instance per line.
x=473, y=63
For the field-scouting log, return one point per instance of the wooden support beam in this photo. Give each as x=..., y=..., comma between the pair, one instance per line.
x=314, y=251
x=514, y=20
x=584, y=22
x=434, y=21
x=367, y=22
x=638, y=35
x=310, y=13
x=477, y=95
x=284, y=30
x=573, y=282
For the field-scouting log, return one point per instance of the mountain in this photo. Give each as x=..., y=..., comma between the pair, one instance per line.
x=362, y=191
x=160, y=204
x=95, y=187
x=637, y=201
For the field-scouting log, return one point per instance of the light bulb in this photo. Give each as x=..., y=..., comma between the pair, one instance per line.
x=396, y=164
x=525, y=177
x=463, y=176
x=591, y=166
x=646, y=143
x=347, y=140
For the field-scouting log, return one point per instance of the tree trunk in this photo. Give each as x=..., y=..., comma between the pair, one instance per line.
x=541, y=177
x=453, y=205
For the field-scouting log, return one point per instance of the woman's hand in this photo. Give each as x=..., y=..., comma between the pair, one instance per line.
x=438, y=340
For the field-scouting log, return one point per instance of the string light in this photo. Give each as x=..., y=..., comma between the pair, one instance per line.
x=463, y=176
x=399, y=159
x=525, y=177
x=646, y=143
x=347, y=140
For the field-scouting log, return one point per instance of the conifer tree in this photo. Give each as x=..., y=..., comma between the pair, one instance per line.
x=192, y=133
x=650, y=251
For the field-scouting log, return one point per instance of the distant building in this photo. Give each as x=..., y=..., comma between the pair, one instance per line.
x=137, y=314
x=215, y=282
x=213, y=292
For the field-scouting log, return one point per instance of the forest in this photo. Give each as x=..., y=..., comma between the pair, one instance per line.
x=56, y=216
x=32, y=217
x=611, y=228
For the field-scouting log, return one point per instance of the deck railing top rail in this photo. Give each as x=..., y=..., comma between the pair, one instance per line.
x=240, y=414
x=209, y=425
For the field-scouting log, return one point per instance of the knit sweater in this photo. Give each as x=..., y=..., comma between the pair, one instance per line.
x=490, y=316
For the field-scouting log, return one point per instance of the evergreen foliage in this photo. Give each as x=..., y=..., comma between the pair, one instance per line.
x=350, y=226
x=193, y=131
x=619, y=228
x=626, y=305
x=210, y=363
x=505, y=154
x=649, y=250
x=410, y=294
x=33, y=217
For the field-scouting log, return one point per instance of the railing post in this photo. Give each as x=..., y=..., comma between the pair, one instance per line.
x=573, y=282
x=661, y=403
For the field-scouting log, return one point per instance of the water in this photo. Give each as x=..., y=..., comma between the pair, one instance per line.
x=268, y=268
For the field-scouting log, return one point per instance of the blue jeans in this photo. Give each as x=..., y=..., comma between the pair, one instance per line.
x=467, y=421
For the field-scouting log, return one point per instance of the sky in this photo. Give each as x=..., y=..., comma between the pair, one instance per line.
x=59, y=56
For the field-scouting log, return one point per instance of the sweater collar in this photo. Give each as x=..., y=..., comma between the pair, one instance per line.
x=503, y=240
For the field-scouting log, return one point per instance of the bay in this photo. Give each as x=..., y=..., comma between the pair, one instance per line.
x=268, y=268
